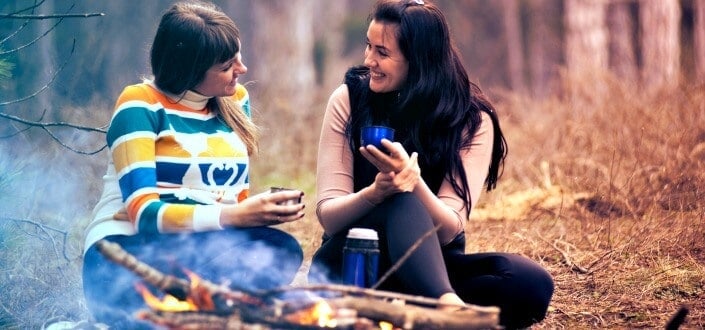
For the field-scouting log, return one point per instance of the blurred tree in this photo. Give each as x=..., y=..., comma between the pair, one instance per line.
x=660, y=43
x=699, y=39
x=284, y=58
x=283, y=63
x=585, y=36
x=542, y=38
x=515, y=48
x=622, y=58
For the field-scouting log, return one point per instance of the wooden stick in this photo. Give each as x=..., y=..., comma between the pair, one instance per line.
x=368, y=292
x=415, y=317
x=177, y=287
x=406, y=255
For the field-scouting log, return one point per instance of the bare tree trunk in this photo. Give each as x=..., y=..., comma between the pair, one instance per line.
x=329, y=45
x=515, y=49
x=659, y=23
x=699, y=39
x=622, y=46
x=284, y=75
x=539, y=72
x=586, y=36
x=284, y=57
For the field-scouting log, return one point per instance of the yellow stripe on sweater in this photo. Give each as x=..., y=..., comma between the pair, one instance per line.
x=180, y=217
x=133, y=151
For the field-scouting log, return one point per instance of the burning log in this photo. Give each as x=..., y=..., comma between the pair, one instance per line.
x=219, y=307
x=174, y=286
x=204, y=294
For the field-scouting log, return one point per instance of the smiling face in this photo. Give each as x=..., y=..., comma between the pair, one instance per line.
x=221, y=78
x=388, y=66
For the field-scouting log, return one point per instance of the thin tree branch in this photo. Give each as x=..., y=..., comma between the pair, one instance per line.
x=24, y=25
x=58, y=140
x=30, y=8
x=52, y=16
x=53, y=77
x=37, y=38
x=45, y=230
x=33, y=41
x=53, y=124
x=45, y=126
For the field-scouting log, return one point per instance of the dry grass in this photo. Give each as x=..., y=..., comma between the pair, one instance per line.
x=608, y=196
x=607, y=193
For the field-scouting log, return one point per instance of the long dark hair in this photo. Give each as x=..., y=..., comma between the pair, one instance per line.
x=192, y=37
x=438, y=109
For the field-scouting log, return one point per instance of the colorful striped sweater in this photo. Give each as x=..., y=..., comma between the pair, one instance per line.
x=175, y=163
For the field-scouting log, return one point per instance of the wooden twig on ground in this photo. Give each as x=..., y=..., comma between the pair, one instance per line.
x=566, y=258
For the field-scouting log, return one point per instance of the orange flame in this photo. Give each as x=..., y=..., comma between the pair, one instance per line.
x=198, y=299
x=384, y=325
x=168, y=303
x=320, y=314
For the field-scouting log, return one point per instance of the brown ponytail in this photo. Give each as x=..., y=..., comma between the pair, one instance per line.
x=233, y=115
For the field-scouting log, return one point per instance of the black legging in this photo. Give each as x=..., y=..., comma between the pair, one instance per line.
x=246, y=259
x=518, y=286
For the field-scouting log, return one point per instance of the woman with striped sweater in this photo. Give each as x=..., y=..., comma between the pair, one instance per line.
x=177, y=190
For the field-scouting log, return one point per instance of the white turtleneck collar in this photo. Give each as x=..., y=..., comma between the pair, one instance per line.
x=189, y=98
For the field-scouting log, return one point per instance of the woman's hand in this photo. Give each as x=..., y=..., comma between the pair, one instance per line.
x=265, y=209
x=394, y=161
x=390, y=183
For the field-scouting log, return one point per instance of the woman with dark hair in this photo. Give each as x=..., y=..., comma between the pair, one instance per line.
x=448, y=146
x=177, y=191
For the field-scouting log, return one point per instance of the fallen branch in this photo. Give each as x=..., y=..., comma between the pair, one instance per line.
x=415, y=317
x=567, y=259
x=207, y=295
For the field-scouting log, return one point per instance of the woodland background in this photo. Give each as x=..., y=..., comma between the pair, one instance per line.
x=603, y=104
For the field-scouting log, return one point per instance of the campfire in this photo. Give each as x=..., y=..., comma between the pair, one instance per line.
x=196, y=303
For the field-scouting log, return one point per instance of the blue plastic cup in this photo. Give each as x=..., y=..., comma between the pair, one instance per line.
x=361, y=257
x=374, y=134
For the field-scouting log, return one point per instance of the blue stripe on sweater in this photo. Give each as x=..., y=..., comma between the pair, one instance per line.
x=136, y=179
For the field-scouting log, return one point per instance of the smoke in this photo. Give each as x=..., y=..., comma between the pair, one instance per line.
x=46, y=197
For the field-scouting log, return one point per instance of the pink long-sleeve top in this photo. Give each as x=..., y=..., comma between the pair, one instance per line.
x=338, y=205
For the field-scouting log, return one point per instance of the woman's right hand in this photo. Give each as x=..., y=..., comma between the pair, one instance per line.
x=265, y=209
x=390, y=183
